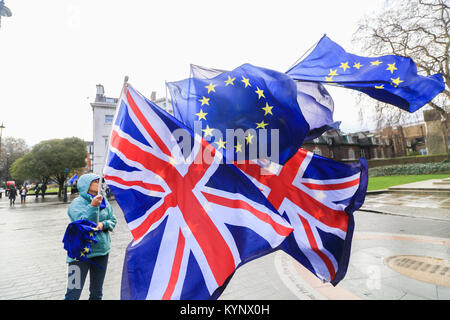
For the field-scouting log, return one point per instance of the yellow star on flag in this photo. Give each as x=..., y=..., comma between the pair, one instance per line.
x=238, y=147
x=220, y=144
x=249, y=138
x=328, y=79
x=375, y=63
x=201, y=115
x=396, y=81
x=379, y=87
x=246, y=81
x=267, y=109
x=261, y=124
x=204, y=100
x=211, y=87
x=260, y=93
x=333, y=72
x=208, y=131
x=391, y=67
x=86, y=249
x=229, y=81
x=357, y=65
x=344, y=65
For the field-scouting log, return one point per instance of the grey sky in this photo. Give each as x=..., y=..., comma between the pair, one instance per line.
x=54, y=52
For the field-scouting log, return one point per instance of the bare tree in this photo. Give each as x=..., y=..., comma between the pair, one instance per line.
x=11, y=150
x=420, y=30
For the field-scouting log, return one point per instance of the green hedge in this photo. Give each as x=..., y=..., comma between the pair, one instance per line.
x=411, y=169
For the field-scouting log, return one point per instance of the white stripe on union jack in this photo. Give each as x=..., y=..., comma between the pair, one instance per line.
x=184, y=215
x=311, y=205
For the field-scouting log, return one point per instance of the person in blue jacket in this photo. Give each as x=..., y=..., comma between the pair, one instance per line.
x=86, y=206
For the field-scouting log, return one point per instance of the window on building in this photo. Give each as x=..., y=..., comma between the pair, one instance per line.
x=109, y=118
x=106, y=138
x=351, y=154
x=331, y=154
x=375, y=153
x=420, y=140
x=317, y=151
x=362, y=153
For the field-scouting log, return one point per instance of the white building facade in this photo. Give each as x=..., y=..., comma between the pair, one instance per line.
x=103, y=110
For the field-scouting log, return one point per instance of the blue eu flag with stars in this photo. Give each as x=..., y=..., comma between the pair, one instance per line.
x=78, y=238
x=253, y=99
x=390, y=79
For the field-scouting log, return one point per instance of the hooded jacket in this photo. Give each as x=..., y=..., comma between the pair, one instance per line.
x=81, y=208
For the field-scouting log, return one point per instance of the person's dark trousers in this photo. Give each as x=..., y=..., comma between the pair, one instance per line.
x=78, y=271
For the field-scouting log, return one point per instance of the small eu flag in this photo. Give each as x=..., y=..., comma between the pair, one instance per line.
x=238, y=111
x=390, y=79
x=80, y=235
x=72, y=180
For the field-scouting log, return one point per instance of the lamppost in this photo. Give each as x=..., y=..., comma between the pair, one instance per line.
x=66, y=172
x=4, y=11
x=1, y=130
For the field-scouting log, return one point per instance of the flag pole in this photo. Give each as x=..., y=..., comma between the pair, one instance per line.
x=307, y=51
x=100, y=184
x=167, y=100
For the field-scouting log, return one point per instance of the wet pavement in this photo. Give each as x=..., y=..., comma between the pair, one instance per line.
x=416, y=200
x=32, y=264
x=427, y=206
x=428, y=199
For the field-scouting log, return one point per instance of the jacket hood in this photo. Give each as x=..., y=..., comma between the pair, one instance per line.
x=84, y=182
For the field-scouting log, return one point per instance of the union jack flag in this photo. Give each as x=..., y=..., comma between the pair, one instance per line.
x=193, y=222
x=318, y=197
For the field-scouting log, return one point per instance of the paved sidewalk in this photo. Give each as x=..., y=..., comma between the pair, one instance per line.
x=426, y=185
x=428, y=206
x=429, y=199
x=33, y=260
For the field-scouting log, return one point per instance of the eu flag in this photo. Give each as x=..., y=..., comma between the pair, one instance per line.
x=316, y=104
x=72, y=180
x=252, y=102
x=390, y=79
x=80, y=235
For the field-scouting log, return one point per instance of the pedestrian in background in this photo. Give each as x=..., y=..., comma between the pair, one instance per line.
x=12, y=195
x=23, y=194
x=86, y=206
x=36, y=190
x=43, y=189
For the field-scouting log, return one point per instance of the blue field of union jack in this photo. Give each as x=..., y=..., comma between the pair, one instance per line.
x=193, y=222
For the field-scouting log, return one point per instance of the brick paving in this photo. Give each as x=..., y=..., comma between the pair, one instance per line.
x=33, y=258
x=32, y=263
x=417, y=200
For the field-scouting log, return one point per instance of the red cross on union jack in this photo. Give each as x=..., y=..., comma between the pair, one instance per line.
x=180, y=210
x=309, y=204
